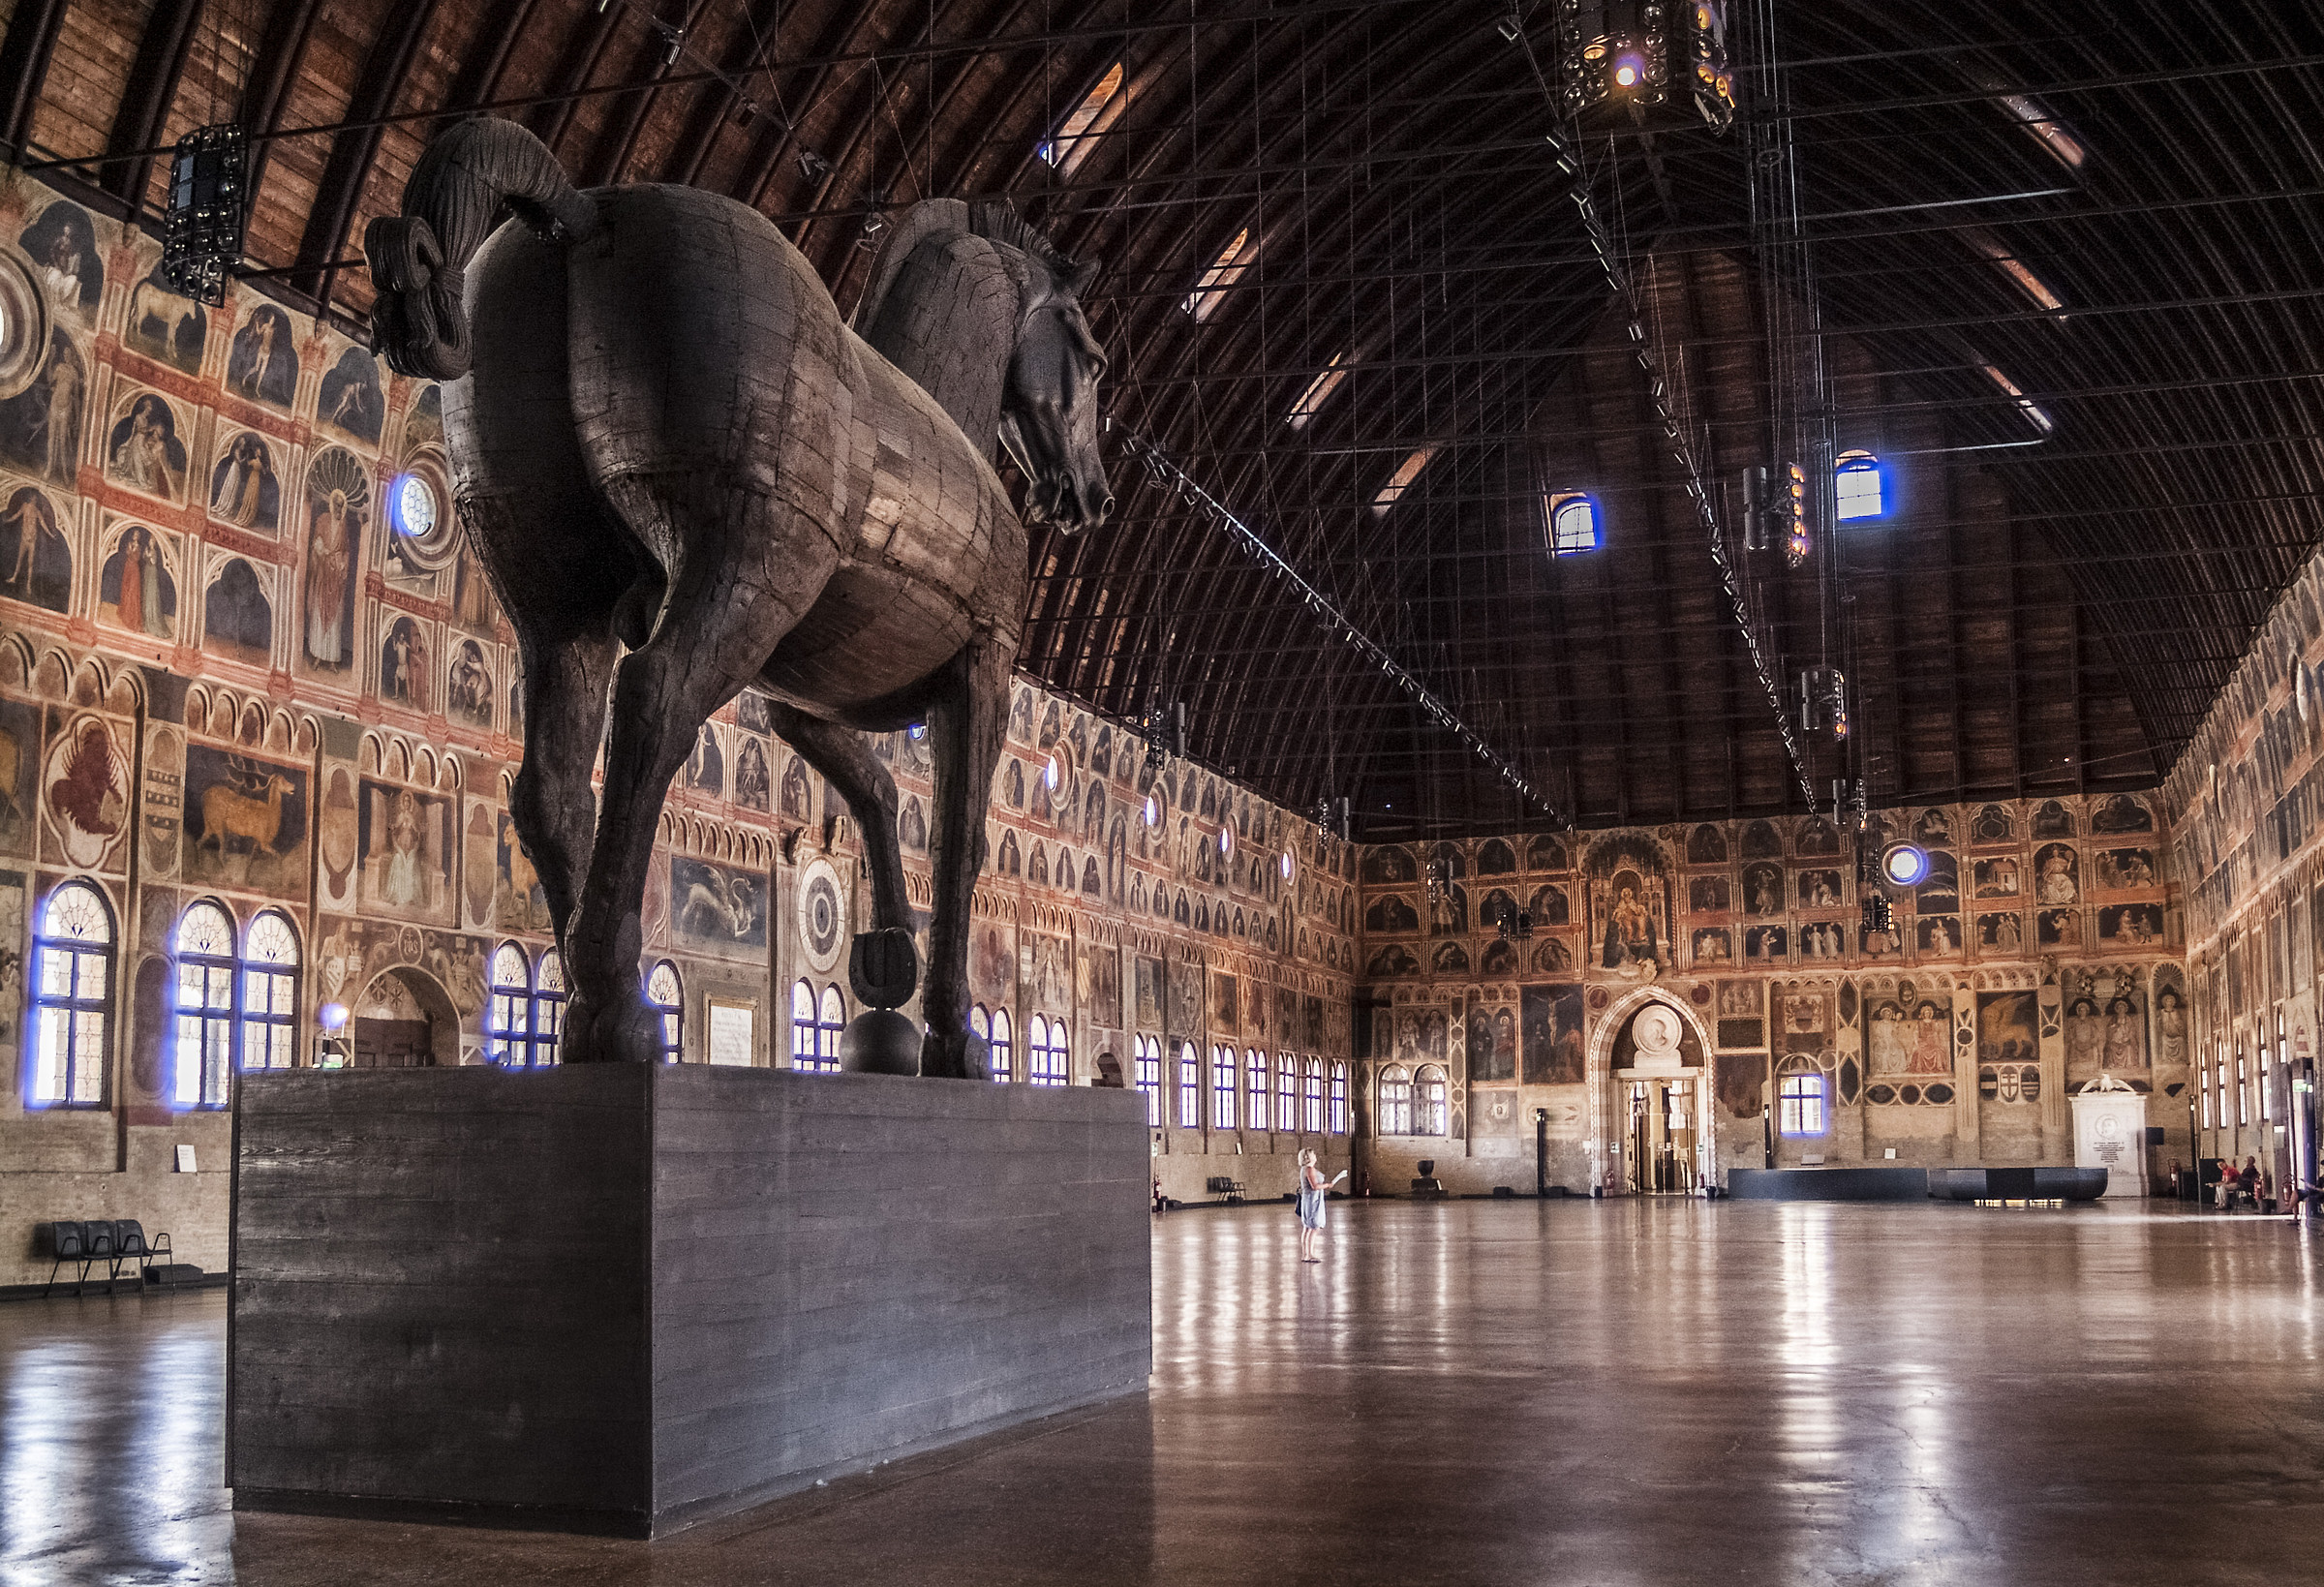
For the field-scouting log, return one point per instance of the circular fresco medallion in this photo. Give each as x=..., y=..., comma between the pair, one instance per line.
x=822, y=916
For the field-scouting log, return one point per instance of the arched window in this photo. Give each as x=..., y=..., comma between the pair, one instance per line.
x=667, y=994
x=1800, y=1103
x=72, y=988
x=1254, y=1088
x=1428, y=1101
x=1311, y=1096
x=1190, y=1087
x=204, y=946
x=803, y=1027
x=509, y=1018
x=1395, y=1100
x=1857, y=481
x=1573, y=524
x=1287, y=1093
x=830, y=1023
x=548, y=1007
x=1146, y=1064
x=1004, y=1047
x=269, y=1026
x=1222, y=1087
x=1047, y=1060
x=980, y=1023
x=1336, y=1119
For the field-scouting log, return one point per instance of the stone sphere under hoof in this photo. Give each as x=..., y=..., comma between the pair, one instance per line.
x=880, y=1041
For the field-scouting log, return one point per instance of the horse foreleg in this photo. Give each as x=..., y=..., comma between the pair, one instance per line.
x=847, y=762
x=553, y=805
x=965, y=725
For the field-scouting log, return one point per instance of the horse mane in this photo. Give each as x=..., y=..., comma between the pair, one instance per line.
x=923, y=219
x=996, y=220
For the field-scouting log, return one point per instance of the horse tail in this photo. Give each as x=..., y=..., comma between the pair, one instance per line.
x=471, y=173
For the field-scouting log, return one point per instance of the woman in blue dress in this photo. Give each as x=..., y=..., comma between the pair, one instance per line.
x=1312, y=1186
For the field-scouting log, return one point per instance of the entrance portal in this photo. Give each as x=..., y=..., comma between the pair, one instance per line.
x=1664, y=1113
x=1659, y=1067
x=405, y=1021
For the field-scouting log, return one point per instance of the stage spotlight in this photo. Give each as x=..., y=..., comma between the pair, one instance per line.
x=1904, y=865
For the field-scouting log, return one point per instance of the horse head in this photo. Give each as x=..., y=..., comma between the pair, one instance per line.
x=1049, y=407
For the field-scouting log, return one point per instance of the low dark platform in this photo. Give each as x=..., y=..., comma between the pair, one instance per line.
x=618, y=1299
x=1829, y=1184
x=2017, y=1184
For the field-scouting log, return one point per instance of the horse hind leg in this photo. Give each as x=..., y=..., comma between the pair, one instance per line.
x=965, y=725
x=847, y=762
x=554, y=804
x=746, y=567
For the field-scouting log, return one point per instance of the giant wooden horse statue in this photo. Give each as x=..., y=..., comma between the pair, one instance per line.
x=685, y=475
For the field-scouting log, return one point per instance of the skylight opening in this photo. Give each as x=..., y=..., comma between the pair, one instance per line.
x=1573, y=524
x=1319, y=392
x=1077, y=135
x=1406, y=473
x=1861, y=486
x=1211, y=291
x=2004, y=258
x=2029, y=112
x=2026, y=405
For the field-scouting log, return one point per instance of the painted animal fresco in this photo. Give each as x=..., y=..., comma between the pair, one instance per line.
x=752, y=493
x=245, y=822
x=716, y=908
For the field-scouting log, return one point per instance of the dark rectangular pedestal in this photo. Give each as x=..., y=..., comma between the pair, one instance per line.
x=1864, y=1183
x=618, y=1298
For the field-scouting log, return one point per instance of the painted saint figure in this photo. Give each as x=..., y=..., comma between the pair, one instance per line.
x=2123, y=1049
x=331, y=563
x=2055, y=883
x=1931, y=1051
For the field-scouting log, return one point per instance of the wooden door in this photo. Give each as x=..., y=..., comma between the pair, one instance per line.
x=394, y=1044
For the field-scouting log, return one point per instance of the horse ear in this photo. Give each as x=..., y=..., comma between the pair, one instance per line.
x=1084, y=272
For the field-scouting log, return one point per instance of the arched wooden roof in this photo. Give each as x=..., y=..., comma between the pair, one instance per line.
x=2037, y=618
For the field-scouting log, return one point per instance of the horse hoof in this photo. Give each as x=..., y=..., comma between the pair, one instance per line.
x=960, y=1055
x=628, y=1032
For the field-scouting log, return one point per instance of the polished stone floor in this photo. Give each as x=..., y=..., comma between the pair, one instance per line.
x=1631, y=1392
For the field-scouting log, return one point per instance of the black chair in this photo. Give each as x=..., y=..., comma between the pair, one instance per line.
x=92, y=1241
x=129, y=1244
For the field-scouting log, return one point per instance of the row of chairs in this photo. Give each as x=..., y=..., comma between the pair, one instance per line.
x=116, y=1242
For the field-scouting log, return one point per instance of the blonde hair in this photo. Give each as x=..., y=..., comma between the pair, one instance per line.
x=1307, y=1158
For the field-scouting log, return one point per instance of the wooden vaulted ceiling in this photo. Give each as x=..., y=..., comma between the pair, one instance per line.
x=2034, y=618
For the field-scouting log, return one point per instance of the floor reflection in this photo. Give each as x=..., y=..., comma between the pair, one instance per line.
x=1467, y=1392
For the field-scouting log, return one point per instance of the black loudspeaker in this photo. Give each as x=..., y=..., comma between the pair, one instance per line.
x=2154, y=1135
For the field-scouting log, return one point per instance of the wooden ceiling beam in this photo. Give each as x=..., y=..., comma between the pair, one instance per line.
x=267, y=88
x=145, y=100
x=24, y=57
x=347, y=170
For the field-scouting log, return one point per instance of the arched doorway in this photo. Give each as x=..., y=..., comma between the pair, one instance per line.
x=1655, y=1119
x=405, y=1021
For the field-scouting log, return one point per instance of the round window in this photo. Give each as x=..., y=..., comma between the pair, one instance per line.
x=1049, y=775
x=1154, y=811
x=1905, y=866
x=412, y=506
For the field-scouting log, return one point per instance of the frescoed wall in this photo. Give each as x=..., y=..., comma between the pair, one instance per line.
x=1944, y=1040
x=227, y=674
